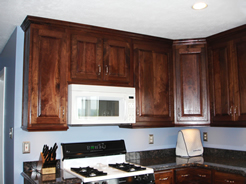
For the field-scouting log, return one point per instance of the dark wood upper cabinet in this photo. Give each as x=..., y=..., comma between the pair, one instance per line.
x=191, y=83
x=170, y=77
x=117, y=60
x=97, y=59
x=86, y=57
x=154, y=85
x=45, y=78
x=220, y=73
x=227, y=63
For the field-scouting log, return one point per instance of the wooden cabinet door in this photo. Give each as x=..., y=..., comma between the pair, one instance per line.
x=45, y=79
x=86, y=57
x=221, y=177
x=221, y=81
x=192, y=105
x=154, y=91
x=239, y=61
x=118, y=67
x=193, y=176
x=164, y=177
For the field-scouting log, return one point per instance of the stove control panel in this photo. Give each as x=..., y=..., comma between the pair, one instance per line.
x=92, y=147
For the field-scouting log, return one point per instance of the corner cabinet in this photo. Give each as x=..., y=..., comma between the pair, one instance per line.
x=227, y=66
x=101, y=59
x=45, y=77
x=191, y=83
x=154, y=85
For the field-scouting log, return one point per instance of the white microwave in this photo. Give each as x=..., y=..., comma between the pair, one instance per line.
x=101, y=105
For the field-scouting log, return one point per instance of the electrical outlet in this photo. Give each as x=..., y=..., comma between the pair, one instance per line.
x=26, y=147
x=151, y=139
x=205, y=136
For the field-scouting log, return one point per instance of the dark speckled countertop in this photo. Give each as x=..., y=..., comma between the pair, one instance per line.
x=217, y=159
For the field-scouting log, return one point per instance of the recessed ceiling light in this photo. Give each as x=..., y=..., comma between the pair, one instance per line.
x=199, y=6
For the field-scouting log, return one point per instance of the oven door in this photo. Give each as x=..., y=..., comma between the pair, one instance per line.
x=139, y=179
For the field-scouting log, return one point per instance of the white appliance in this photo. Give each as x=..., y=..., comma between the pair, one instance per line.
x=103, y=162
x=189, y=143
x=98, y=105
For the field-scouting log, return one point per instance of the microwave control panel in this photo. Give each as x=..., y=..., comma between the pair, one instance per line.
x=131, y=108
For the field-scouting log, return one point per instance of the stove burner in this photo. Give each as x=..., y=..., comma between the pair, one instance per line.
x=88, y=171
x=127, y=167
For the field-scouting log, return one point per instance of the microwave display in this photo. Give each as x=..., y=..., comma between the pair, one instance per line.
x=95, y=107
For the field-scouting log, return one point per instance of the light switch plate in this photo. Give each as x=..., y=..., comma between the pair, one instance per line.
x=26, y=147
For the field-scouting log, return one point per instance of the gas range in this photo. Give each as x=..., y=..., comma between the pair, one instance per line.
x=103, y=162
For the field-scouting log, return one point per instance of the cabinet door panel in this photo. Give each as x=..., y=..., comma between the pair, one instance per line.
x=190, y=83
x=193, y=176
x=240, y=79
x=220, y=178
x=164, y=177
x=117, y=61
x=86, y=57
x=153, y=84
x=47, y=81
x=220, y=78
x=191, y=86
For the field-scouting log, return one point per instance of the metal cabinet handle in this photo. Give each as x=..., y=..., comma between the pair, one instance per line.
x=62, y=112
x=163, y=179
x=202, y=175
x=235, y=110
x=137, y=111
x=106, y=69
x=179, y=112
x=231, y=111
x=185, y=175
x=99, y=70
x=229, y=181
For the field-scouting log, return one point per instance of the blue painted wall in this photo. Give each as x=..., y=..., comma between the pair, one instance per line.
x=135, y=139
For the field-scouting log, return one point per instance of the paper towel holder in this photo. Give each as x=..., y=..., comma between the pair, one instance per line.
x=189, y=143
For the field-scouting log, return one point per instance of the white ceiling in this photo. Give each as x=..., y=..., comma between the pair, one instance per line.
x=174, y=19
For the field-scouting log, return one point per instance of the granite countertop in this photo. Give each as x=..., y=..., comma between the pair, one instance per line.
x=34, y=177
x=220, y=160
x=217, y=159
x=31, y=175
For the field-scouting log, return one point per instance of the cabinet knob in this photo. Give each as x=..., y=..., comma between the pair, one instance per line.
x=163, y=179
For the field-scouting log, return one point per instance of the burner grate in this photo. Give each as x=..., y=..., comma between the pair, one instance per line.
x=88, y=171
x=127, y=167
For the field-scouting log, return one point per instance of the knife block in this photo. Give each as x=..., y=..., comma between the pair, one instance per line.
x=46, y=167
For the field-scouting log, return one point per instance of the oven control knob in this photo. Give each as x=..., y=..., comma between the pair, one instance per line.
x=104, y=182
x=138, y=178
x=145, y=177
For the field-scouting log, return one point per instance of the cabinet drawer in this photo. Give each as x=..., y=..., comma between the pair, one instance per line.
x=164, y=177
x=221, y=177
x=193, y=175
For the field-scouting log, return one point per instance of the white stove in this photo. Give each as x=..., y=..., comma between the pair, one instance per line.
x=103, y=163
